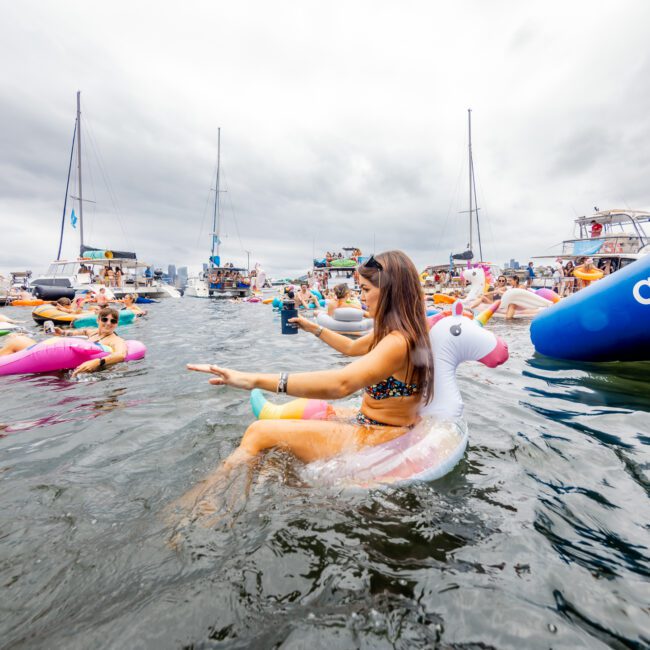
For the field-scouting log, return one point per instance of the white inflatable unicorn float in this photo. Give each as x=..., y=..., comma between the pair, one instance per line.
x=475, y=276
x=437, y=443
x=527, y=301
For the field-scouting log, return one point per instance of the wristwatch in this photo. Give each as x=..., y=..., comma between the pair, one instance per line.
x=102, y=363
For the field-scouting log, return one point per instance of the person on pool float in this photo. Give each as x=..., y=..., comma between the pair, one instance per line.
x=341, y=299
x=64, y=304
x=394, y=370
x=305, y=297
x=104, y=334
x=491, y=296
x=129, y=303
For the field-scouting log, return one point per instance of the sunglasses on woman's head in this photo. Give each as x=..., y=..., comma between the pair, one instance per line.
x=106, y=319
x=372, y=263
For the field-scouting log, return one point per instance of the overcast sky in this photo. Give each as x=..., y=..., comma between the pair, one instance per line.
x=342, y=123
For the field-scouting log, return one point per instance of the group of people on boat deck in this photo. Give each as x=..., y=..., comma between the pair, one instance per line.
x=566, y=283
x=218, y=276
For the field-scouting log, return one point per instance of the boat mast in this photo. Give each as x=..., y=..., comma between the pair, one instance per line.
x=81, y=208
x=216, y=221
x=67, y=187
x=473, y=202
x=471, y=170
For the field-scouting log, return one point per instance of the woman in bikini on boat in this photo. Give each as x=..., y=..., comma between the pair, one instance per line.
x=394, y=370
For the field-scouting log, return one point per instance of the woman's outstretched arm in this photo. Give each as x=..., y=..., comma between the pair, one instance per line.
x=381, y=362
x=342, y=344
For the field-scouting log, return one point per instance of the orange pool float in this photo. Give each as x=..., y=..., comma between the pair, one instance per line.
x=34, y=302
x=443, y=298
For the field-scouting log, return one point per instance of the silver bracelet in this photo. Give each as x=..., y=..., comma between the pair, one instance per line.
x=318, y=332
x=282, y=384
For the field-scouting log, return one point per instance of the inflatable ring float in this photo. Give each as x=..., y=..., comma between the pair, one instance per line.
x=58, y=317
x=56, y=354
x=589, y=276
x=346, y=320
x=126, y=316
x=435, y=445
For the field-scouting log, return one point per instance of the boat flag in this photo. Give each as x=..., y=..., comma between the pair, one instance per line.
x=73, y=219
x=216, y=240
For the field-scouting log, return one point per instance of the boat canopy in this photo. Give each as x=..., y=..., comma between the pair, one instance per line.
x=107, y=254
x=616, y=216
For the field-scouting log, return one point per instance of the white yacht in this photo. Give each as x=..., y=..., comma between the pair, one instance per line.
x=612, y=238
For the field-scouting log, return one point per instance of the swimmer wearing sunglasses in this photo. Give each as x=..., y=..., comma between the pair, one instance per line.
x=104, y=335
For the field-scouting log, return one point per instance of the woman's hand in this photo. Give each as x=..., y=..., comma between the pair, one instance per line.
x=86, y=366
x=58, y=331
x=304, y=324
x=225, y=376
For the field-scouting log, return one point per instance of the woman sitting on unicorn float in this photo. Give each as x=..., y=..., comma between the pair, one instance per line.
x=395, y=371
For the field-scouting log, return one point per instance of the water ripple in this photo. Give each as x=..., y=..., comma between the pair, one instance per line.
x=539, y=538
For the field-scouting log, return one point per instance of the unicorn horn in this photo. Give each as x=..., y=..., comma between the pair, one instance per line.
x=485, y=316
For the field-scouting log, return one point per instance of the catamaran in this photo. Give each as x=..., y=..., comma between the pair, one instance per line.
x=88, y=272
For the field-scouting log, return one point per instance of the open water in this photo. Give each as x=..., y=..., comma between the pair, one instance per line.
x=538, y=539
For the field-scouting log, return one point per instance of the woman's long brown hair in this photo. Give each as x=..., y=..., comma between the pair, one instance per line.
x=401, y=309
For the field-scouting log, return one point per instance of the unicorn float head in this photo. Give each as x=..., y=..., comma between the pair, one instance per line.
x=437, y=443
x=456, y=338
x=475, y=276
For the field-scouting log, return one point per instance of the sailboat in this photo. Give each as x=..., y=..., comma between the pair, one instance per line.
x=473, y=204
x=459, y=261
x=87, y=271
x=217, y=281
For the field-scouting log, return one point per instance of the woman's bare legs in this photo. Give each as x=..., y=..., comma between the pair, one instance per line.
x=308, y=440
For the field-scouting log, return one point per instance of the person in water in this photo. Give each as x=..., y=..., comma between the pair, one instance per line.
x=104, y=334
x=130, y=304
x=65, y=304
x=394, y=369
x=305, y=297
x=341, y=299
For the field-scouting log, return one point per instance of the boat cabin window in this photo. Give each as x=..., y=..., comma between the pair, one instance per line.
x=69, y=268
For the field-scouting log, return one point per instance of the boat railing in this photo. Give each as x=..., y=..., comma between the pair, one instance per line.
x=604, y=245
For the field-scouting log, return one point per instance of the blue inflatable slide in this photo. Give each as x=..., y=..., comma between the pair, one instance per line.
x=607, y=321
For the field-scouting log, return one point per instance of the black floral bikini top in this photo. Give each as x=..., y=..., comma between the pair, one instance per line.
x=391, y=387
